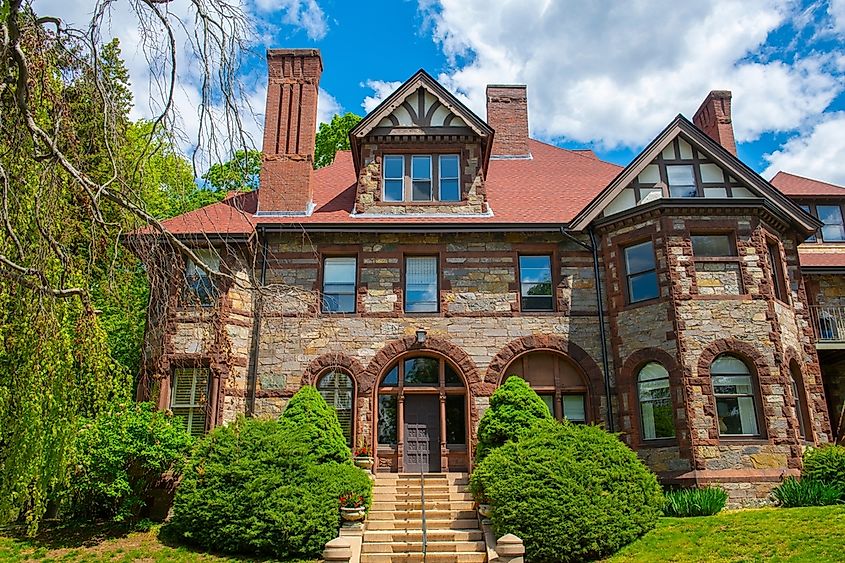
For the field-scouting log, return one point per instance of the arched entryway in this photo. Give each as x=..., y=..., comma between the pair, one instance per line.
x=422, y=415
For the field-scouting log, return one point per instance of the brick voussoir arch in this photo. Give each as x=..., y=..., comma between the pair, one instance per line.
x=334, y=360
x=734, y=347
x=495, y=371
x=634, y=362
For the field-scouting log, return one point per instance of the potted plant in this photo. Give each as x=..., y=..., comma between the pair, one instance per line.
x=363, y=457
x=352, y=507
x=484, y=507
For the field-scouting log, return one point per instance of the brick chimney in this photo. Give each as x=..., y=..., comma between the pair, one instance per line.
x=714, y=118
x=507, y=114
x=290, y=123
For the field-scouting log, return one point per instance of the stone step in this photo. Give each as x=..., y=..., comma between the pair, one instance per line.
x=381, y=536
x=416, y=524
x=393, y=496
x=417, y=547
x=416, y=504
x=457, y=557
x=440, y=514
x=428, y=478
x=415, y=489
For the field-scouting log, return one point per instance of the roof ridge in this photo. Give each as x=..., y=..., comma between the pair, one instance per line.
x=593, y=159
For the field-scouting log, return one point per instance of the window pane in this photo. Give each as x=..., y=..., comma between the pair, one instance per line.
x=339, y=284
x=456, y=419
x=452, y=378
x=449, y=189
x=336, y=389
x=831, y=216
x=657, y=419
x=652, y=371
x=833, y=233
x=574, y=408
x=712, y=245
x=421, y=284
x=422, y=190
x=339, y=303
x=422, y=371
x=394, y=166
x=536, y=271
x=656, y=389
x=639, y=258
x=681, y=181
x=643, y=286
x=393, y=190
x=449, y=166
x=421, y=167
x=798, y=410
x=387, y=419
x=736, y=415
x=807, y=209
x=550, y=402
x=532, y=303
x=732, y=385
x=728, y=365
x=392, y=378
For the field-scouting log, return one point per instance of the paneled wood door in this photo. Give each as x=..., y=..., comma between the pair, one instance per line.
x=422, y=434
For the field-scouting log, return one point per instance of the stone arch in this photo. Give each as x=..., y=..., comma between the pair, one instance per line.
x=334, y=360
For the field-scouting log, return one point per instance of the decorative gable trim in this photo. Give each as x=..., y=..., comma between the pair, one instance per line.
x=712, y=150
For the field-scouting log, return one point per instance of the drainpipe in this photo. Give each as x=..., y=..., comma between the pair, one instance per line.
x=252, y=377
x=593, y=248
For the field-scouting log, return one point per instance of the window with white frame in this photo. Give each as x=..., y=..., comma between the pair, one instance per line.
x=421, y=287
x=199, y=282
x=337, y=389
x=733, y=388
x=188, y=397
x=535, y=282
x=421, y=178
x=339, y=275
x=655, y=402
x=450, y=184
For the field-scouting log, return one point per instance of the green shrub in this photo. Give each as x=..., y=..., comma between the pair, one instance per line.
x=266, y=487
x=700, y=501
x=806, y=492
x=826, y=465
x=119, y=456
x=572, y=493
x=316, y=424
x=514, y=407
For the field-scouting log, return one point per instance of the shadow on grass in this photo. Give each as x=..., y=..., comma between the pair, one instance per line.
x=67, y=535
x=168, y=537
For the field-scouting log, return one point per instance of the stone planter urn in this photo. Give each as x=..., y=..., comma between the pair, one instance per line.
x=485, y=510
x=355, y=514
x=364, y=462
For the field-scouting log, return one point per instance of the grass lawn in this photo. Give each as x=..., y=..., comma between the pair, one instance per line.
x=100, y=543
x=771, y=534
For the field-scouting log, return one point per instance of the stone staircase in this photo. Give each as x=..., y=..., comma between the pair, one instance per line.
x=394, y=524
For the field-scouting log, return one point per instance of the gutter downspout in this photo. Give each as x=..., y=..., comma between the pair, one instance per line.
x=252, y=379
x=593, y=248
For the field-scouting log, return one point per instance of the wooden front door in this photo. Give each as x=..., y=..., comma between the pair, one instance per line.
x=422, y=434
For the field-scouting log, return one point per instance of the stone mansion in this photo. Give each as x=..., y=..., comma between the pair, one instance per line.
x=682, y=301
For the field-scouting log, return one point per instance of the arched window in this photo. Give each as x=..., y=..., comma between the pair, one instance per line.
x=799, y=398
x=338, y=390
x=655, y=402
x=733, y=388
x=557, y=380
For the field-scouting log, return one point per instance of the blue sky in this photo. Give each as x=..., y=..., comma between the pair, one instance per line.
x=604, y=75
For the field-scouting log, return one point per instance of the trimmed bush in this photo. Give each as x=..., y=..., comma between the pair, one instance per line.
x=806, y=492
x=572, y=493
x=268, y=487
x=514, y=407
x=119, y=456
x=702, y=501
x=826, y=465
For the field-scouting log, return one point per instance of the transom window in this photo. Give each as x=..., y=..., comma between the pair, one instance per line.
x=733, y=388
x=557, y=381
x=655, y=402
x=712, y=246
x=421, y=178
x=189, y=396
x=339, y=274
x=421, y=284
x=641, y=272
x=337, y=389
x=535, y=282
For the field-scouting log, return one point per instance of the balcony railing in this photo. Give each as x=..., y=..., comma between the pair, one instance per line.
x=828, y=323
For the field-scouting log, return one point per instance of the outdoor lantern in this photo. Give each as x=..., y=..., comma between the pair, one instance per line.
x=420, y=336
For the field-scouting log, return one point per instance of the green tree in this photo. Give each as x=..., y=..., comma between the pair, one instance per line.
x=239, y=174
x=333, y=137
x=514, y=407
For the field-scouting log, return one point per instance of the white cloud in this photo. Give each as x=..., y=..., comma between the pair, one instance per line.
x=306, y=14
x=819, y=154
x=327, y=107
x=381, y=90
x=836, y=9
x=614, y=73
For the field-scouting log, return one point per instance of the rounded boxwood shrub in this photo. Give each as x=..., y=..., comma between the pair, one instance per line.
x=119, y=456
x=268, y=487
x=572, y=493
x=514, y=407
x=316, y=424
x=826, y=465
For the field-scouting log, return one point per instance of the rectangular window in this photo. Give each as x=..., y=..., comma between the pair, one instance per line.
x=776, y=267
x=421, y=178
x=549, y=399
x=387, y=420
x=641, y=272
x=535, y=282
x=735, y=405
x=339, y=274
x=806, y=208
x=450, y=187
x=421, y=284
x=834, y=228
x=188, y=397
x=574, y=408
x=681, y=181
x=712, y=246
x=199, y=282
x=394, y=178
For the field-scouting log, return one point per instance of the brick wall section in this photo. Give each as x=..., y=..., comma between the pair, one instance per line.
x=290, y=123
x=714, y=118
x=507, y=114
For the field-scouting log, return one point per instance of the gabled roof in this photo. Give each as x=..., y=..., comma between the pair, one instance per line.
x=232, y=216
x=716, y=153
x=420, y=79
x=797, y=186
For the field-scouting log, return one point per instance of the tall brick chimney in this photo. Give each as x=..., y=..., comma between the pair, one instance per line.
x=714, y=118
x=290, y=123
x=507, y=114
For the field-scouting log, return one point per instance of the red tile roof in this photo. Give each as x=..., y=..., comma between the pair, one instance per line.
x=833, y=259
x=550, y=188
x=793, y=185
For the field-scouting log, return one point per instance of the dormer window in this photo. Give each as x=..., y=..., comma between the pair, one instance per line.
x=421, y=178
